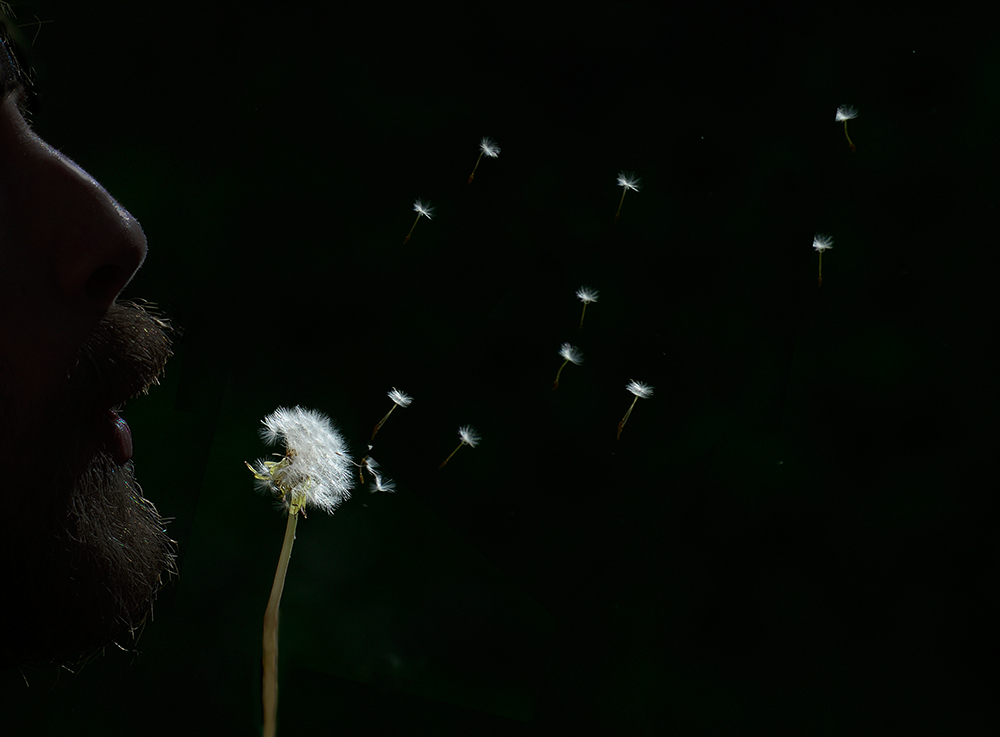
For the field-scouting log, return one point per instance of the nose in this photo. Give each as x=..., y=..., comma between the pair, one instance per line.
x=73, y=240
x=101, y=245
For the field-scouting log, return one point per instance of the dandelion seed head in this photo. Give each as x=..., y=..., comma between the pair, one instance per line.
x=822, y=242
x=846, y=112
x=643, y=391
x=468, y=435
x=586, y=295
x=489, y=147
x=571, y=353
x=316, y=467
x=628, y=181
x=400, y=398
x=424, y=208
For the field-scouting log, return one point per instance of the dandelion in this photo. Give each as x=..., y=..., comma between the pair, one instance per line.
x=822, y=243
x=315, y=471
x=468, y=437
x=421, y=208
x=585, y=295
x=626, y=182
x=573, y=355
x=641, y=391
x=486, y=146
x=399, y=399
x=845, y=113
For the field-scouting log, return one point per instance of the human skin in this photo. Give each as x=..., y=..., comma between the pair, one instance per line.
x=85, y=552
x=68, y=261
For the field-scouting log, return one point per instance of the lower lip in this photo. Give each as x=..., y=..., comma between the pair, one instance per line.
x=119, y=442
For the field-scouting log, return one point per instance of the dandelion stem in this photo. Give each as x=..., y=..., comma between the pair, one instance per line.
x=473, y=174
x=620, y=203
x=270, y=684
x=583, y=314
x=820, y=269
x=445, y=461
x=849, y=141
x=621, y=425
x=382, y=421
x=555, y=384
x=407, y=238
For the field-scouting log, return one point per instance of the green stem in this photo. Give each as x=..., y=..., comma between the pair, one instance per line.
x=621, y=425
x=473, y=174
x=406, y=240
x=452, y=453
x=270, y=685
x=555, y=384
x=620, y=203
x=382, y=421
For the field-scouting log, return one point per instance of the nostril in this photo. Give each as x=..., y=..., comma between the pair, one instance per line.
x=104, y=284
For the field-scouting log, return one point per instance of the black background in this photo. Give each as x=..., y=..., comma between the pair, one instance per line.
x=789, y=535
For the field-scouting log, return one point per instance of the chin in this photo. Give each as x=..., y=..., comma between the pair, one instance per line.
x=87, y=558
x=86, y=553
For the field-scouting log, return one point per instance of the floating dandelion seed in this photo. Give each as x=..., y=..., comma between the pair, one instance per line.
x=468, y=436
x=399, y=399
x=315, y=471
x=486, y=146
x=585, y=295
x=421, y=208
x=641, y=391
x=822, y=243
x=626, y=182
x=573, y=355
x=386, y=485
x=845, y=113
x=378, y=483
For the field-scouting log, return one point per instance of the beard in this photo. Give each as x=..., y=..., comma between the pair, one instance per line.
x=86, y=553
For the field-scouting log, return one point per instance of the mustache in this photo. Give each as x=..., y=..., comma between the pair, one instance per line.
x=122, y=358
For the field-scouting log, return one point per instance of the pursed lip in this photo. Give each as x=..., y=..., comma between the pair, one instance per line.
x=118, y=440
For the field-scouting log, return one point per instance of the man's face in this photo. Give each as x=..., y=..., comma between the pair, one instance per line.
x=84, y=552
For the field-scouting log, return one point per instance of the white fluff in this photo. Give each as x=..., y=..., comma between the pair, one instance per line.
x=317, y=469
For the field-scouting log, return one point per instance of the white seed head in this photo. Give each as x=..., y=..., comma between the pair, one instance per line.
x=424, y=208
x=586, y=294
x=571, y=353
x=489, y=147
x=316, y=469
x=468, y=435
x=822, y=242
x=628, y=181
x=846, y=112
x=400, y=398
x=643, y=391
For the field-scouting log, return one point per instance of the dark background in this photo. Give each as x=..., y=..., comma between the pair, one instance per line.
x=789, y=535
